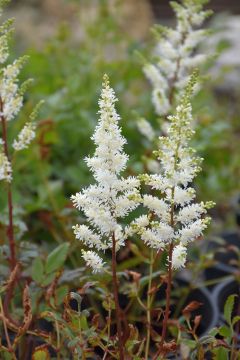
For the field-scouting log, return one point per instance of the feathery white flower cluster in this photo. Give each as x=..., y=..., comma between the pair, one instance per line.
x=5, y=168
x=26, y=135
x=179, y=256
x=93, y=260
x=175, y=56
x=112, y=197
x=11, y=95
x=174, y=218
x=146, y=129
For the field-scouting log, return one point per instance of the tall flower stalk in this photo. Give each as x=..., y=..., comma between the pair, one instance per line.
x=111, y=198
x=11, y=102
x=10, y=105
x=174, y=218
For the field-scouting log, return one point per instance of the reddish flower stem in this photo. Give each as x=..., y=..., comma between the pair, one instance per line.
x=168, y=298
x=10, y=230
x=115, y=292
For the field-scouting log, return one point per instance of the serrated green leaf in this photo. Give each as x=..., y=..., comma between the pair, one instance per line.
x=37, y=270
x=73, y=342
x=206, y=339
x=220, y=353
x=225, y=331
x=48, y=279
x=235, y=320
x=56, y=258
x=190, y=343
x=61, y=292
x=228, y=308
x=213, y=332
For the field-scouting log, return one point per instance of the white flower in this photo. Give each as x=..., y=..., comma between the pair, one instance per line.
x=26, y=135
x=179, y=256
x=191, y=212
x=151, y=238
x=153, y=165
x=182, y=196
x=88, y=237
x=154, y=76
x=93, y=260
x=142, y=221
x=146, y=129
x=5, y=168
x=192, y=231
x=112, y=197
x=175, y=56
x=4, y=52
x=12, y=107
x=173, y=217
x=160, y=101
x=158, y=206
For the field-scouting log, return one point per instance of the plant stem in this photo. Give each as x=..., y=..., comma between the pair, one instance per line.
x=10, y=230
x=168, y=298
x=5, y=326
x=115, y=292
x=149, y=299
x=168, y=294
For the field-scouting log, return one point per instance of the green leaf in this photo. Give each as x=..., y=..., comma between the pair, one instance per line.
x=41, y=354
x=190, y=343
x=213, y=331
x=225, y=331
x=48, y=279
x=207, y=339
x=56, y=258
x=83, y=321
x=220, y=353
x=228, y=308
x=37, y=270
x=61, y=292
x=235, y=320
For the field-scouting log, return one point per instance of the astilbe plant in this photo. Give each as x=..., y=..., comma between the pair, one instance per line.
x=174, y=219
x=11, y=102
x=110, y=199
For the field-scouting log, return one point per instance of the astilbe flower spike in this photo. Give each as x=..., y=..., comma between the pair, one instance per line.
x=11, y=102
x=175, y=218
x=175, y=53
x=112, y=197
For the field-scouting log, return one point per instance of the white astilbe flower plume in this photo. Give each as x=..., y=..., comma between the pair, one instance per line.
x=174, y=219
x=93, y=260
x=11, y=99
x=179, y=256
x=5, y=168
x=112, y=197
x=25, y=137
x=175, y=55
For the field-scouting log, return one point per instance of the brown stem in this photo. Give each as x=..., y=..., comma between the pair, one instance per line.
x=168, y=298
x=115, y=292
x=10, y=231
